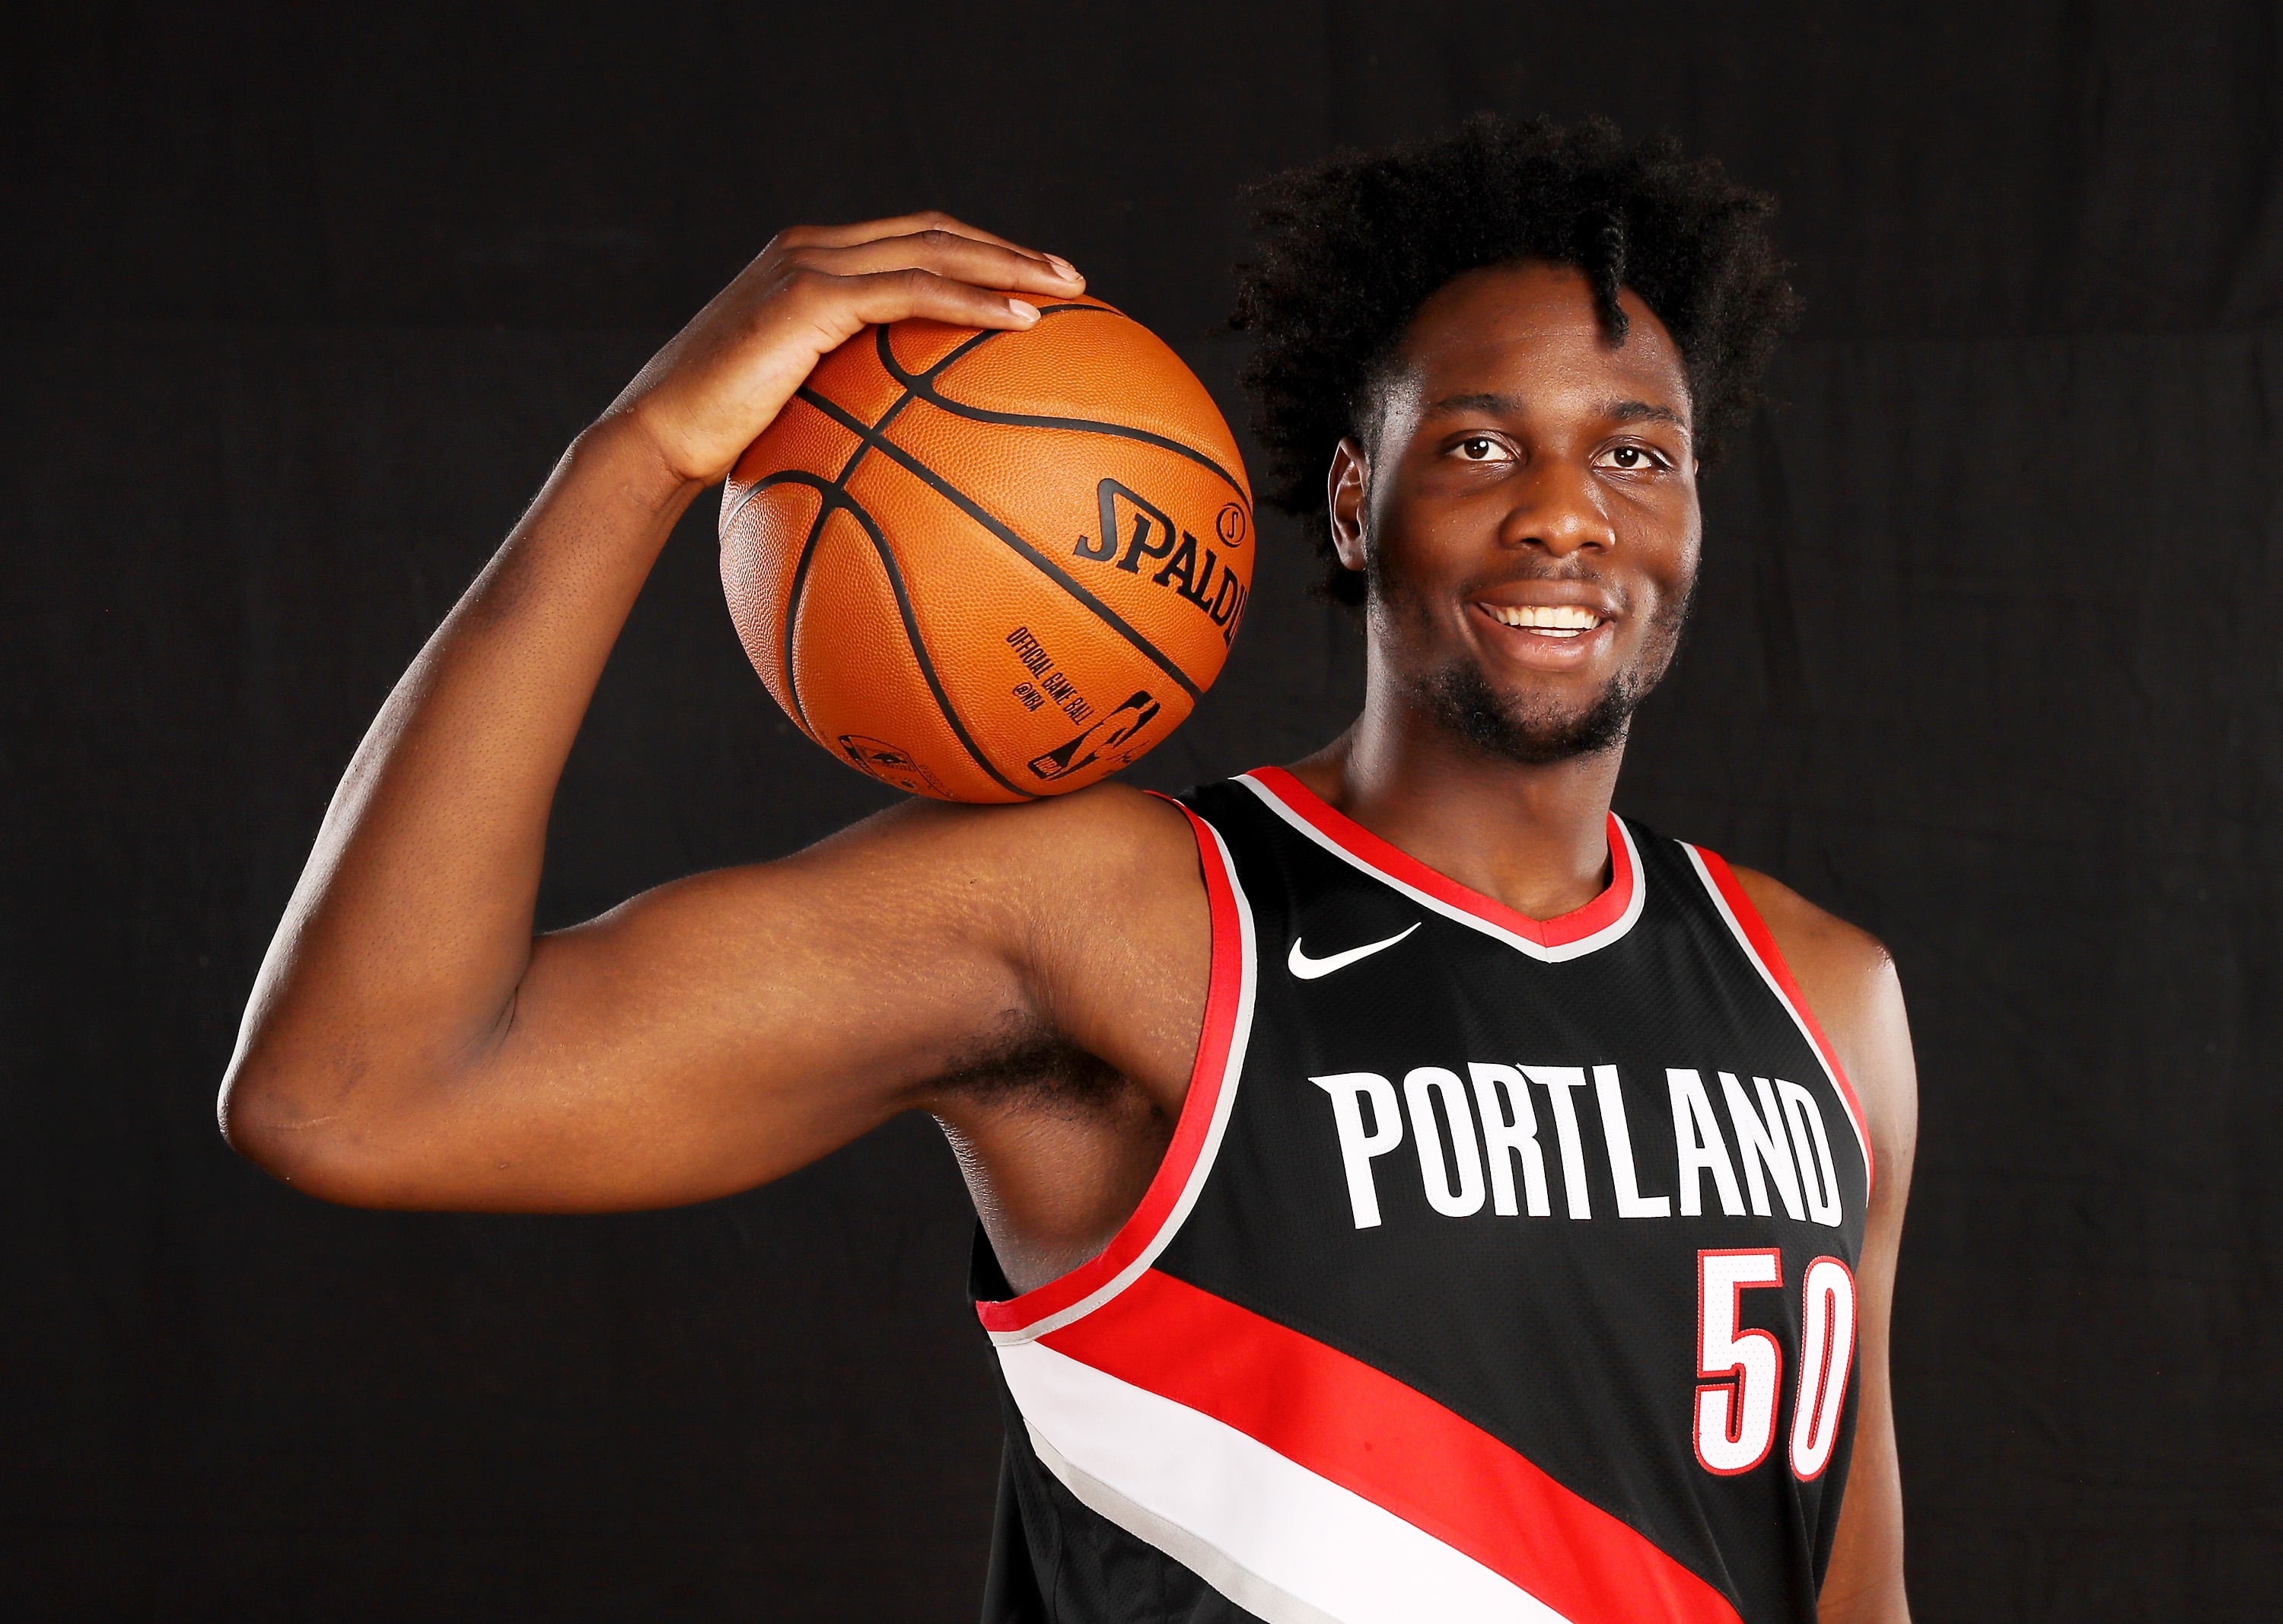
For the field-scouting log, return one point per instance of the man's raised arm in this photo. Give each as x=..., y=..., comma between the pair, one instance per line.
x=407, y=1041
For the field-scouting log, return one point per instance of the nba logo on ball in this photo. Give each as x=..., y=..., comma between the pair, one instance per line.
x=992, y=565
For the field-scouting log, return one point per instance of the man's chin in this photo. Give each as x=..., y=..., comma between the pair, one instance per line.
x=1533, y=730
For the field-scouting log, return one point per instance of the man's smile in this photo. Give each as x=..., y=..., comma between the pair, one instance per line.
x=1555, y=620
x=1549, y=625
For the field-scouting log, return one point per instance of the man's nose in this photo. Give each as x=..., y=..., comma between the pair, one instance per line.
x=1559, y=508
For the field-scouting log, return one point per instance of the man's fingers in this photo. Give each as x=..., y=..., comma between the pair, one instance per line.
x=885, y=296
x=947, y=254
x=897, y=225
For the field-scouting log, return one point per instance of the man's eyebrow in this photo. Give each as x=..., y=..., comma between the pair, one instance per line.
x=1450, y=404
x=1623, y=411
x=1642, y=412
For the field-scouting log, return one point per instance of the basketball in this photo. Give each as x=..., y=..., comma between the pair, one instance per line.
x=992, y=565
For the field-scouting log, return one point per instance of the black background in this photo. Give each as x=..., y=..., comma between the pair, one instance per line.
x=302, y=300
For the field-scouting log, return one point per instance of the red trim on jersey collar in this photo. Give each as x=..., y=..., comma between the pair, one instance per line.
x=1370, y=849
x=1359, y=1427
x=1208, y=1077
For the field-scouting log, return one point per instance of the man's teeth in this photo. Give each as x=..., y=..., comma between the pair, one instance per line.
x=1560, y=620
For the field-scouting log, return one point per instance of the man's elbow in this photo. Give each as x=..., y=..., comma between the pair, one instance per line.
x=274, y=1111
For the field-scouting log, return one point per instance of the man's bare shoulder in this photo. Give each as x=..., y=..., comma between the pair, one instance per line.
x=1850, y=981
x=1118, y=834
x=1815, y=941
x=1055, y=888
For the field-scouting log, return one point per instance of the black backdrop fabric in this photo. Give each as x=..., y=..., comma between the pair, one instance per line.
x=302, y=301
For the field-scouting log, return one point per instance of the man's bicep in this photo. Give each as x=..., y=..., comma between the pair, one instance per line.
x=729, y=1028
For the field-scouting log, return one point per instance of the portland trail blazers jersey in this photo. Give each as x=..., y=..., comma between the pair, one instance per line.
x=1499, y=1268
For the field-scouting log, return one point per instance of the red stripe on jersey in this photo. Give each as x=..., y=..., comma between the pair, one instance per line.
x=1367, y=847
x=1362, y=1429
x=1764, y=945
x=1207, y=1078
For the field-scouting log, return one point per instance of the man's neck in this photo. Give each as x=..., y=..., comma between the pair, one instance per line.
x=1535, y=837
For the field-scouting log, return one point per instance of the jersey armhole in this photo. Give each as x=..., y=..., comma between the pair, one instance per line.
x=1759, y=944
x=1196, y=1135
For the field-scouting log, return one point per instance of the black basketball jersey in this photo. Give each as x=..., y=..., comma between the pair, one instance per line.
x=1499, y=1268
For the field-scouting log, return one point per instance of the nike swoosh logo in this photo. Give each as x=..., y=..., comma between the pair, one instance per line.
x=1308, y=969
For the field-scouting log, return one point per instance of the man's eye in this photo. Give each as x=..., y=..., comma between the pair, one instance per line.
x=1481, y=449
x=1632, y=459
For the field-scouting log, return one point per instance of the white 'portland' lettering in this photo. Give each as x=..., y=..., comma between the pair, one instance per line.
x=1818, y=1181
x=1359, y=1145
x=1698, y=1147
x=1509, y=1135
x=1762, y=1143
x=1469, y=1135
x=1420, y=1088
x=1560, y=1083
x=1619, y=1141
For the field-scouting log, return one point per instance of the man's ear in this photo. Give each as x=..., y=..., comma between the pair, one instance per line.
x=1346, y=485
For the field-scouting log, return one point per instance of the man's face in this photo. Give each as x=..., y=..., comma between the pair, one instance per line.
x=1525, y=513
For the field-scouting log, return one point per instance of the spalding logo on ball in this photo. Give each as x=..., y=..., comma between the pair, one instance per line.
x=986, y=566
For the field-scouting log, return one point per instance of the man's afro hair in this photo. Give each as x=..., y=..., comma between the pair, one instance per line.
x=1349, y=249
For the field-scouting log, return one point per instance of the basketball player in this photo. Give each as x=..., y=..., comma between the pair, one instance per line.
x=1410, y=1191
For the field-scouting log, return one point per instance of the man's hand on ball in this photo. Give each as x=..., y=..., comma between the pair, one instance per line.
x=722, y=380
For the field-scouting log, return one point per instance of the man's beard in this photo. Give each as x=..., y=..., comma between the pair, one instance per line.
x=1461, y=701
x=1535, y=732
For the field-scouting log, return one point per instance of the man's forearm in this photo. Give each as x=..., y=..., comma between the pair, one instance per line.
x=411, y=923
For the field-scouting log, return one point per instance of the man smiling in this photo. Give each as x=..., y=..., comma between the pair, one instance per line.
x=1433, y=1196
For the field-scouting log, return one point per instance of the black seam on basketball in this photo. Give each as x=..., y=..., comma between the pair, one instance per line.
x=803, y=476
x=770, y=481
x=922, y=385
x=959, y=349
x=833, y=493
x=919, y=647
x=888, y=359
x=826, y=493
x=1054, y=572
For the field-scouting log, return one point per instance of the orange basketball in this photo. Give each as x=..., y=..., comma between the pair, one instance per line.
x=989, y=566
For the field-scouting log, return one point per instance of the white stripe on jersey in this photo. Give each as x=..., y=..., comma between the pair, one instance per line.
x=1276, y=1539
